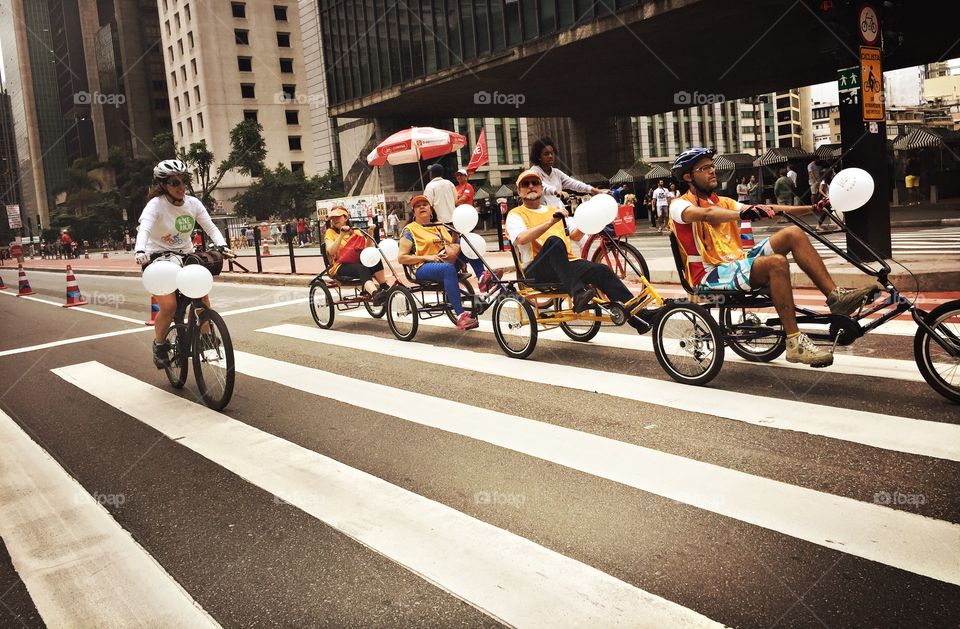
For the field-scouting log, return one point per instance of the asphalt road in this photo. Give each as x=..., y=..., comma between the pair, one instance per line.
x=356, y=481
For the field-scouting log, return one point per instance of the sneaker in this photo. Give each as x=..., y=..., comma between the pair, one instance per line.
x=843, y=301
x=800, y=349
x=161, y=354
x=582, y=299
x=487, y=282
x=379, y=296
x=466, y=322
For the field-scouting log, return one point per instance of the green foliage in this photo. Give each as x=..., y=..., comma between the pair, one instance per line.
x=247, y=153
x=164, y=146
x=283, y=194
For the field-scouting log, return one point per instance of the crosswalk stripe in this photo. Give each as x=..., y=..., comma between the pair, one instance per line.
x=504, y=575
x=80, y=567
x=889, y=432
x=897, y=538
x=842, y=363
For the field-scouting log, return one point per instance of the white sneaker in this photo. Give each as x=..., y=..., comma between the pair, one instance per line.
x=800, y=349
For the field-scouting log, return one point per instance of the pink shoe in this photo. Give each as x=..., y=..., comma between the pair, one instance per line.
x=487, y=281
x=466, y=322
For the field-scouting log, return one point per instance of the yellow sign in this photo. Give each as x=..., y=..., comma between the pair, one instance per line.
x=871, y=80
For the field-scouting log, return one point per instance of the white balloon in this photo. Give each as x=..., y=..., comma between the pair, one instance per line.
x=590, y=218
x=850, y=189
x=608, y=206
x=475, y=247
x=370, y=256
x=194, y=281
x=465, y=218
x=160, y=278
x=389, y=248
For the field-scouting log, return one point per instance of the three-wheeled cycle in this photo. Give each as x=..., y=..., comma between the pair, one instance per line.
x=747, y=324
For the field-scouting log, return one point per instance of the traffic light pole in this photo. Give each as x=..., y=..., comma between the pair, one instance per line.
x=863, y=132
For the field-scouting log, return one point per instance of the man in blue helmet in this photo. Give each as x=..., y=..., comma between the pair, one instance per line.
x=707, y=228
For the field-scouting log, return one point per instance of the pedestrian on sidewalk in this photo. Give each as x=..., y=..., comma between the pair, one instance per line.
x=651, y=210
x=393, y=224
x=753, y=190
x=912, y=181
x=441, y=194
x=465, y=191
x=783, y=188
x=661, y=201
x=743, y=192
x=824, y=193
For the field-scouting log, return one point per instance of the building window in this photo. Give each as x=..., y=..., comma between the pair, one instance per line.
x=186, y=11
x=196, y=94
x=193, y=66
x=190, y=126
x=289, y=92
x=239, y=9
x=170, y=50
x=180, y=129
x=245, y=64
x=176, y=17
x=294, y=142
x=250, y=114
x=176, y=103
x=293, y=116
x=241, y=36
x=200, y=120
x=247, y=90
x=180, y=45
x=286, y=66
x=186, y=100
x=165, y=6
x=183, y=72
x=280, y=13
x=173, y=78
x=296, y=167
x=190, y=39
x=168, y=28
x=283, y=40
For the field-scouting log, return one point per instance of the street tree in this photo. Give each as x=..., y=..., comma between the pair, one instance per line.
x=283, y=194
x=247, y=154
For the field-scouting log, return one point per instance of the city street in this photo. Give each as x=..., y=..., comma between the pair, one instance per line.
x=358, y=481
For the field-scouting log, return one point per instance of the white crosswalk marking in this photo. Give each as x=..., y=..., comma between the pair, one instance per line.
x=80, y=567
x=506, y=576
x=944, y=240
x=927, y=438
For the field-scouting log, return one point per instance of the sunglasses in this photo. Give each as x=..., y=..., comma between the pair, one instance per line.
x=175, y=183
x=529, y=183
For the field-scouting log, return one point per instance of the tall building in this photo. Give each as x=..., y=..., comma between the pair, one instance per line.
x=826, y=124
x=229, y=61
x=507, y=146
x=9, y=171
x=31, y=81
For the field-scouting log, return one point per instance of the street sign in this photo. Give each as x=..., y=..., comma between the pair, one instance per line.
x=848, y=79
x=13, y=216
x=869, y=25
x=16, y=250
x=871, y=78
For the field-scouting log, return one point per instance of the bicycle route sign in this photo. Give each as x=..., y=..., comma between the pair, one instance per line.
x=869, y=25
x=871, y=79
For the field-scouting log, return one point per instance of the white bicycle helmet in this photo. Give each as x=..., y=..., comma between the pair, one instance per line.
x=169, y=167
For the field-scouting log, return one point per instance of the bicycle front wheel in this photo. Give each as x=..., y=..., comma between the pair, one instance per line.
x=213, y=365
x=627, y=264
x=938, y=367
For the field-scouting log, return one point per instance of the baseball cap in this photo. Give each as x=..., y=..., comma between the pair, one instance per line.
x=338, y=211
x=462, y=171
x=417, y=199
x=529, y=174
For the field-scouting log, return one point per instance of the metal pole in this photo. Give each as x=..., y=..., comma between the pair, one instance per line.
x=293, y=262
x=256, y=248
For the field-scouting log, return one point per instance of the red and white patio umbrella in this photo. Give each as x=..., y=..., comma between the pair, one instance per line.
x=415, y=144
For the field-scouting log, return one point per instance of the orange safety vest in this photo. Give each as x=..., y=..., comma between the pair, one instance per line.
x=704, y=244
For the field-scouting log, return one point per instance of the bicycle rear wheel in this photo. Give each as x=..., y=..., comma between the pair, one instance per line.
x=213, y=365
x=176, y=366
x=627, y=264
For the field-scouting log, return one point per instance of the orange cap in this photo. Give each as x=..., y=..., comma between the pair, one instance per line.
x=529, y=174
x=417, y=199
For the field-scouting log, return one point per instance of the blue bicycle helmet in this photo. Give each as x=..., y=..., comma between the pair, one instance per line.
x=688, y=158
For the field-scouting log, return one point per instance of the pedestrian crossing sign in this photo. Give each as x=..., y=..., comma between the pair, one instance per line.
x=848, y=79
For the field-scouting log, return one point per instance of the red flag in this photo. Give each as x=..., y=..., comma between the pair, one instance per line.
x=480, y=155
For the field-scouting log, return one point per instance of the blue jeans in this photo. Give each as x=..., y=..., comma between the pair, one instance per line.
x=447, y=274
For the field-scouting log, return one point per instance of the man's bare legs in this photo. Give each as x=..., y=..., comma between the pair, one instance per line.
x=774, y=271
x=794, y=240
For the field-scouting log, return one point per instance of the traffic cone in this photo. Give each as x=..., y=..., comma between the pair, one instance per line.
x=266, y=249
x=154, y=311
x=74, y=298
x=24, y=288
x=746, y=235
x=2, y=285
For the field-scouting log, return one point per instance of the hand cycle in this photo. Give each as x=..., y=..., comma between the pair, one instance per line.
x=756, y=334
x=199, y=332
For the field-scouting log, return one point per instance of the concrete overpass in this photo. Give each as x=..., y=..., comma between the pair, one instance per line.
x=637, y=60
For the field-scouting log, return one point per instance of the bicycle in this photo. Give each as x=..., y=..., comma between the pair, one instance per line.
x=615, y=251
x=211, y=350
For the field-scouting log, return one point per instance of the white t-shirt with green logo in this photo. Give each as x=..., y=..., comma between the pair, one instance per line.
x=167, y=227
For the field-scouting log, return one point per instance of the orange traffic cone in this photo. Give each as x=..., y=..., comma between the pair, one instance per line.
x=24, y=288
x=74, y=298
x=266, y=250
x=2, y=285
x=154, y=311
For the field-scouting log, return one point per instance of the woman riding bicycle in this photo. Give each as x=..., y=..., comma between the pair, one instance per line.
x=435, y=256
x=166, y=224
x=344, y=244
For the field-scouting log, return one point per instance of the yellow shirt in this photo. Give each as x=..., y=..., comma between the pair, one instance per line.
x=532, y=218
x=427, y=241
